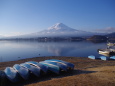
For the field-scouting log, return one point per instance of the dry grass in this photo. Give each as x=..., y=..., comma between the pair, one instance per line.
x=100, y=76
x=87, y=73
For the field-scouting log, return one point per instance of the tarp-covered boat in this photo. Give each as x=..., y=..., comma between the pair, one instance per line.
x=41, y=66
x=62, y=66
x=11, y=74
x=69, y=65
x=51, y=67
x=24, y=72
x=34, y=70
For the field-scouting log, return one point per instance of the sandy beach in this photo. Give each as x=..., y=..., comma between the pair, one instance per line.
x=87, y=72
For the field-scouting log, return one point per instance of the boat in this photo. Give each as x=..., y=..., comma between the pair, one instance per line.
x=24, y=72
x=112, y=57
x=11, y=74
x=33, y=69
x=92, y=57
x=111, y=44
x=42, y=67
x=51, y=67
x=69, y=65
x=104, y=58
x=62, y=66
x=109, y=52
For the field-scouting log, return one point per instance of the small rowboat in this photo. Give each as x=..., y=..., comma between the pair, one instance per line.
x=33, y=69
x=112, y=57
x=69, y=65
x=63, y=67
x=24, y=72
x=92, y=57
x=11, y=74
x=40, y=66
x=51, y=67
x=104, y=58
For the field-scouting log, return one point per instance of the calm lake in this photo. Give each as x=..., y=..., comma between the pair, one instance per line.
x=15, y=50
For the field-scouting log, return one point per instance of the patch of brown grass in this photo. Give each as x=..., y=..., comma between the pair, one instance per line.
x=99, y=76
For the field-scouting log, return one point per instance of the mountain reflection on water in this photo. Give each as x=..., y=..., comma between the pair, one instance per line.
x=15, y=50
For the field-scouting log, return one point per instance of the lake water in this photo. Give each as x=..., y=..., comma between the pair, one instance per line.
x=15, y=50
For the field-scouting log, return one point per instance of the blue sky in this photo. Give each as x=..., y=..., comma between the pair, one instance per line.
x=28, y=16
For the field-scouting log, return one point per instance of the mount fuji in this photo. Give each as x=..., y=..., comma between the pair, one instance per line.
x=59, y=30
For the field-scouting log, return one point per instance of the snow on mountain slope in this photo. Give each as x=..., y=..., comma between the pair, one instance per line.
x=61, y=27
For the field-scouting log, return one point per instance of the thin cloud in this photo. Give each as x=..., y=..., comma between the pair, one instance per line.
x=13, y=34
x=108, y=30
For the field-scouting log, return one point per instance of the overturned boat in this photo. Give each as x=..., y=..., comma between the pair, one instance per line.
x=42, y=67
x=33, y=69
x=63, y=67
x=23, y=72
x=11, y=74
x=51, y=67
x=112, y=57
x=104, y=58
x=70, y=66
x=93, y=57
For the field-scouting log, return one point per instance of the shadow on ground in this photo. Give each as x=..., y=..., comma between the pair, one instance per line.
x=49, y=76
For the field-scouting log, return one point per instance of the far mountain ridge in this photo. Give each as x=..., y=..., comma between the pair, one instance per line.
x=97, y=37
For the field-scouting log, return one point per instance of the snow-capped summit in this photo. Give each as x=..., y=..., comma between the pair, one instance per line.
x=60, y=26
